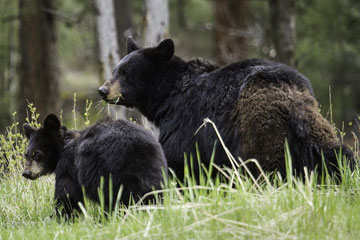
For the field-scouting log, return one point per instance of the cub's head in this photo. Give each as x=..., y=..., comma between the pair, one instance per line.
x=136, y=73
x=42, y=153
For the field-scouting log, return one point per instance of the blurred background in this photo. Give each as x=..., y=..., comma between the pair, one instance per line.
x=51, y=49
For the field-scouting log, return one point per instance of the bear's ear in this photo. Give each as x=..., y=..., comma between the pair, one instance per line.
x=51, y=123
x=131, y=45
x=165, y=50
x=28, y=130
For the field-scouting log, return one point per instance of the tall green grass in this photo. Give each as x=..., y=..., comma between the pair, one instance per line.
x=232, y=205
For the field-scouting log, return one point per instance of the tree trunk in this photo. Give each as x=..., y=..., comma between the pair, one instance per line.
x=38, y=67
x=107, y=38
x=108, y=47
x=230, y=30
x=123, y=23
x=8, y=50
x=156, y=22
x=282, y=15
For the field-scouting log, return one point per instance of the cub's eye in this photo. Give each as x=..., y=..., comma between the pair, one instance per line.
x=37, y=155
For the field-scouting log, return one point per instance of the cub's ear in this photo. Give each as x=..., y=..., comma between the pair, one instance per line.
x=165, y=49
x=52, y=123
x=28, y=130
x=131, y=45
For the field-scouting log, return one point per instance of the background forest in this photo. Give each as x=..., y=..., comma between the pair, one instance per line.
x=51, y=49
x=56, y=53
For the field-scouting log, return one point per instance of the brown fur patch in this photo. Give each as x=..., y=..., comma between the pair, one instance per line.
x=262, y=115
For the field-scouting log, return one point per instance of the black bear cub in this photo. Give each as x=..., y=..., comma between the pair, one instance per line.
x=118, y=149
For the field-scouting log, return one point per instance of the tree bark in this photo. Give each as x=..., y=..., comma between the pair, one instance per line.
x=230, y=30
x=156, y=22
x=124, y=29
x=8, y=61
x=38, y=67
x=282, y=14
x=107, y=38
x=108, y=47
x=123, y=23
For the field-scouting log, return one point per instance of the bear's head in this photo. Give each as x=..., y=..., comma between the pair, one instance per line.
x=43, y=150
x=136, y=73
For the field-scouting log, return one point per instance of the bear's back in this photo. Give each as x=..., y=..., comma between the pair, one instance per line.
x=241, y=73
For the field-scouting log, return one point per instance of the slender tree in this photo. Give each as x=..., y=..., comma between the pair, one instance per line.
x=107, y=38
x=38, y=67
x=108, y=47
x=123, y=23
x=282, y=14
x=8, y=54
x=230, y=30
x=156, y=22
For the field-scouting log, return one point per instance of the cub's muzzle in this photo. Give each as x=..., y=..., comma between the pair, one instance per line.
x=33, y=170
x=27, y=174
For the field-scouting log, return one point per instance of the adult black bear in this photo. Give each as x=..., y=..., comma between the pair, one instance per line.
x=127, y=152
x=256, y=105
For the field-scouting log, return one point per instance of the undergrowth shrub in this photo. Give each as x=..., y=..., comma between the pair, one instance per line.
x=13, y=144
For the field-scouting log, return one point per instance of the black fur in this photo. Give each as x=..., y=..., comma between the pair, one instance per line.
x=256, y=105
x=127, y=152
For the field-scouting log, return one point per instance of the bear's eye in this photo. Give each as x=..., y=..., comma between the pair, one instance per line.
x=37, y=155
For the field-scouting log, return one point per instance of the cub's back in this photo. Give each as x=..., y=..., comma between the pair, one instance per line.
x=111, y=141
x=128, y=152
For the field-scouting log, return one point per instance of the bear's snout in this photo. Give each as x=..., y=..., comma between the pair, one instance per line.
x=103, y=92
x=110, y=91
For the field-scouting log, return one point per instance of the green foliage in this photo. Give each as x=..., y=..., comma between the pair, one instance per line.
x=13, y=145
x=86, y=114
x=33, y=117
x=328, y=52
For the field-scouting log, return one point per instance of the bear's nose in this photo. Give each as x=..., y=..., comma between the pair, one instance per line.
x=103, y=92
x=27, y=174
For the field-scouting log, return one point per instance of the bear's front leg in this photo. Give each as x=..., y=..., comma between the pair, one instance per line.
x=68, y=194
